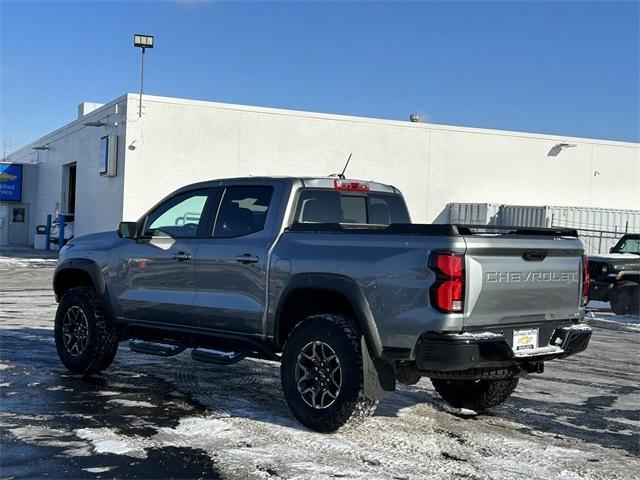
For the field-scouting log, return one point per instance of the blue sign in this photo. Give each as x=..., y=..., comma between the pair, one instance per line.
x=10, y=182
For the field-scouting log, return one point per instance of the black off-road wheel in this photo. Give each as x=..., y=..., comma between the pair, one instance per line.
x=625, y=298
x=321, y=373
x=476, y=395
x=86, y=341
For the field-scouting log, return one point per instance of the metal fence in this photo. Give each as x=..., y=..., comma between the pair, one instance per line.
x=599, y=228
x=598, y=241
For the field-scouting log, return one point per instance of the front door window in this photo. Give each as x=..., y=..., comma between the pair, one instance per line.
x=179, y=217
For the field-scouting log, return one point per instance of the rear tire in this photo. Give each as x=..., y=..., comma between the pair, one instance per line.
x=475, y=395
x=86, y=341
x=625, y=298
x=319, y=395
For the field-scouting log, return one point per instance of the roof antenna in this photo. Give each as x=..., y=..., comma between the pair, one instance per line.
x=341, y=176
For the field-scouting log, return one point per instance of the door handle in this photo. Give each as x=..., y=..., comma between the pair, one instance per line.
x=182, y=256
x=247, y=258
x=534, y=255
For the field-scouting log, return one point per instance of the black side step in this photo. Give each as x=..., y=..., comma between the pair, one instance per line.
x=193, y=337
x=216, y=356
x=151, y=348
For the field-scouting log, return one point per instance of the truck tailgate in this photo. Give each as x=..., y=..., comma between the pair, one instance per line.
x=518, y=280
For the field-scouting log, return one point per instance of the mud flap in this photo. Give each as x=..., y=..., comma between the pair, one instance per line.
x=378, y=376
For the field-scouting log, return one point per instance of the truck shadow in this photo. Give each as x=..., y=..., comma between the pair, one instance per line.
x=139, y=394
x=43, y=408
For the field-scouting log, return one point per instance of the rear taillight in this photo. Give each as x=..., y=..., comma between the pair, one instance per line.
x=352, y=185
x=586, y=278
x=447, y=292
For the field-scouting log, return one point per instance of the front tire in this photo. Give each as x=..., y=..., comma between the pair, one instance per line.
x=625, y=298
x=321, y=373
x=86, y=341
x=476, y=395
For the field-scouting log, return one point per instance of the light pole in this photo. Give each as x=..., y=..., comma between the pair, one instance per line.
x=143, y=42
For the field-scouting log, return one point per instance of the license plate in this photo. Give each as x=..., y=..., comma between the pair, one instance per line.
x=526, y=339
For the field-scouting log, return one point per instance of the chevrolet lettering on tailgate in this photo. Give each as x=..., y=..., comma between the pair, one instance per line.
x=524, y=277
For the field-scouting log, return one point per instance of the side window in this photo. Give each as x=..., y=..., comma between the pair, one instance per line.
x=178, y=217
x=319, y=206
x=243, y=210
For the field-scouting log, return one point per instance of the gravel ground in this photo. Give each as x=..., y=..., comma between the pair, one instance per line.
x=147, y=417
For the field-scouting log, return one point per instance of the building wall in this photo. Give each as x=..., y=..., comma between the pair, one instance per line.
x=182, y=141
x=98, y=199
x=503, y=168
x=178, y=141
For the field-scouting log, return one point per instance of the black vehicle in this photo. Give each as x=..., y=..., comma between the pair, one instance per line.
x=615, y=277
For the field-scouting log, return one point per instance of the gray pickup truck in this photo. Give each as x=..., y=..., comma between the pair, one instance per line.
x=328, y=277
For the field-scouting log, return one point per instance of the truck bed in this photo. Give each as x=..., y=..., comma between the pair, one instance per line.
x=514, y=277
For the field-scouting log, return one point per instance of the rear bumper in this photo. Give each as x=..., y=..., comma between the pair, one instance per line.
x=441, y=352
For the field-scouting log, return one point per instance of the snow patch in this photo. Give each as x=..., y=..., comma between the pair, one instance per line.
x=612, y=321
x=98, y=469
x=59, y=388
x=49, y=437
x=107, y=393
x=131, y=403
x=198, y=427
x=598, y=305
x=463, y=412
x=105, y=440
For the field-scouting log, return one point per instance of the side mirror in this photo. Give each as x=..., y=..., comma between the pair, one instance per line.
x=611, y=249
x=128, y=230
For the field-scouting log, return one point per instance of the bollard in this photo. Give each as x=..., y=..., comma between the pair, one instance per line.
x=61, y=232
x=47, y=232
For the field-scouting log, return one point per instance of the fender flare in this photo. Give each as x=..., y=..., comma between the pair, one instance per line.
x=379, y=375
x=88, y=266
x=92, y=269
x=344, y=286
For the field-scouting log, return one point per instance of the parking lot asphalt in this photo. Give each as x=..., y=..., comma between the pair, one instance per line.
x=147, y=417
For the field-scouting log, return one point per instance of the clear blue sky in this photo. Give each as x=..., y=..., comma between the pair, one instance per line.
x=569, y=68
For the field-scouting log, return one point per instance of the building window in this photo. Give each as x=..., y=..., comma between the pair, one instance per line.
x=17, y=215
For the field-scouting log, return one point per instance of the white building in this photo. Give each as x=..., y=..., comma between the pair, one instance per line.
x=176, y=142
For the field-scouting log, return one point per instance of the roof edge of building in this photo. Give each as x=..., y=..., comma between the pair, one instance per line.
x=134, y=97
x=373, y=120
x=52, y=136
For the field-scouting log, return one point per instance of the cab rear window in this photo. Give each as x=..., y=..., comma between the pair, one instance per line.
x=330, y=206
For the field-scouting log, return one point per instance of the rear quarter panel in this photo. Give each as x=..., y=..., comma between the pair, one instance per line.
x=391, y=270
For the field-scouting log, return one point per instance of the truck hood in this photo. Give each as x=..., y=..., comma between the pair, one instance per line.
x=606, y=257
x=95, y=240
x=617, y=261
